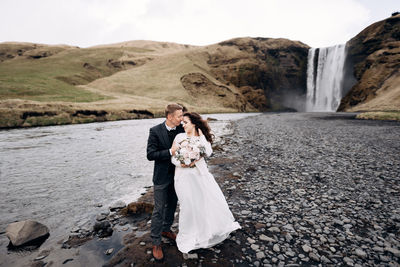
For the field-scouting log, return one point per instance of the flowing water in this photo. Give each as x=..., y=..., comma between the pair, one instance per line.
x=58, y=175
x=325, y=78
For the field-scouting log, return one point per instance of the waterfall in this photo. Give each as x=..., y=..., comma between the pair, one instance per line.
x=325, y=78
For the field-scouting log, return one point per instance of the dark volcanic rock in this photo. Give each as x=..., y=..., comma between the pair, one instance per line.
x=103, y=228
x=313, y=189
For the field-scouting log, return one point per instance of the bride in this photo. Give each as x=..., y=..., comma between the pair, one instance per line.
x=204, y=219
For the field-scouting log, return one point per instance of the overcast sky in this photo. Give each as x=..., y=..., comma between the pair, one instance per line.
x=198, y=22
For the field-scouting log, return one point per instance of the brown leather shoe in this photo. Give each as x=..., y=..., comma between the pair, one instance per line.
x=157, y=252
x=170, y=235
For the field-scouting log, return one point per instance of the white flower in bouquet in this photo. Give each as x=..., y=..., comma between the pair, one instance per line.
x=189, y=150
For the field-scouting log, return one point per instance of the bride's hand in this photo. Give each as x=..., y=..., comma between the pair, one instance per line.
x=192, y=164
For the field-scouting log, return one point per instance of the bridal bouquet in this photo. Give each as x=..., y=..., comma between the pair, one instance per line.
x=189, y=150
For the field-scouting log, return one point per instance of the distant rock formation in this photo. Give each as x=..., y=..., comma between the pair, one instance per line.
x=197, y=84
x=270, y=73
x=374, y=55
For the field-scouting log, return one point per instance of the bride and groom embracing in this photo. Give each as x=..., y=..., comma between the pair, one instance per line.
x=178, y=146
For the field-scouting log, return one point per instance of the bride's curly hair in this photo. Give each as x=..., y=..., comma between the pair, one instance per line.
x=201, y=124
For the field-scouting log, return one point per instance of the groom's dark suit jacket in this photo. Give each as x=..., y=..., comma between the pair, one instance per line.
x=158, y=145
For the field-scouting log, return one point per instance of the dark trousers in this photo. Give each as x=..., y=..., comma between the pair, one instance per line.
x=165, y=200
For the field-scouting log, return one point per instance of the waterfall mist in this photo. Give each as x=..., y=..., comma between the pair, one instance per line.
x=325, y=72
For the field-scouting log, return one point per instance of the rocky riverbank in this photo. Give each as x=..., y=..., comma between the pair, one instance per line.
x=307, y=189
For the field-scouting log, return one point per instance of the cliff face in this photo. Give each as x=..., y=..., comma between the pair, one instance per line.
x=270, y=73
x=375, y=56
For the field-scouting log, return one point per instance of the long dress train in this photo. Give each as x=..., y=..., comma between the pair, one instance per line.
x=204, y=219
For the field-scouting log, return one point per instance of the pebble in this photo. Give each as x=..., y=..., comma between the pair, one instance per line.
x=190, y=256
x=250, y=240
x=348, y=261
x=246, y=212
x=394, y=251
x=274, y=229
x=254, y=247
x=260, y=255
x=117, y=205
x=360, y=253
x=314, y=256
x=266, y=238
x=40, y=257
x=109, y=251
x=281, y=257
x=100, y=217
x=306, y=248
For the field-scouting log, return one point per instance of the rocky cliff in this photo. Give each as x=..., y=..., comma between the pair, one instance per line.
x=270, y=73
x=374, y=55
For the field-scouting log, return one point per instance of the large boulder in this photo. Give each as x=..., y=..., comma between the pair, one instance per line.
x=23, y=232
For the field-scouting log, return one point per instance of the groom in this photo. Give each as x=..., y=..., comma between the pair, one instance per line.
x=159, y=149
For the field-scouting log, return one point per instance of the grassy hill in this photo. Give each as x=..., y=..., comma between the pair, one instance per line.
x=50, y=73
x=44, y=85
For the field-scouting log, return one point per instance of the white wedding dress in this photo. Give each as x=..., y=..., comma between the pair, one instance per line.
x=204, y=219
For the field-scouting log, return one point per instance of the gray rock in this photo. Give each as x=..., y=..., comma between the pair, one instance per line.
x=101, y=217
x=245, y=212
x=39, y=258
x=306, y=248
x=394, y=251
x=260, y=255
x=384, y=258
x=109, y=251
x=276, y=248
x=190, y=256
x=117, y=205
x=290, y=253
x=22, y=232
x=314, y=256
x=348, y=261
x=254, y=247
x=274, y=229
x=378, y=249
x=360, y=253
x=250, y=240
x=266, y=238
x=281, y=257
x=325, y=259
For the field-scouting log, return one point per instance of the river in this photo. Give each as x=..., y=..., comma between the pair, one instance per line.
x=59, y=175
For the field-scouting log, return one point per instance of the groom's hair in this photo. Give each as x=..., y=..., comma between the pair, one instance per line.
x=171, y=108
